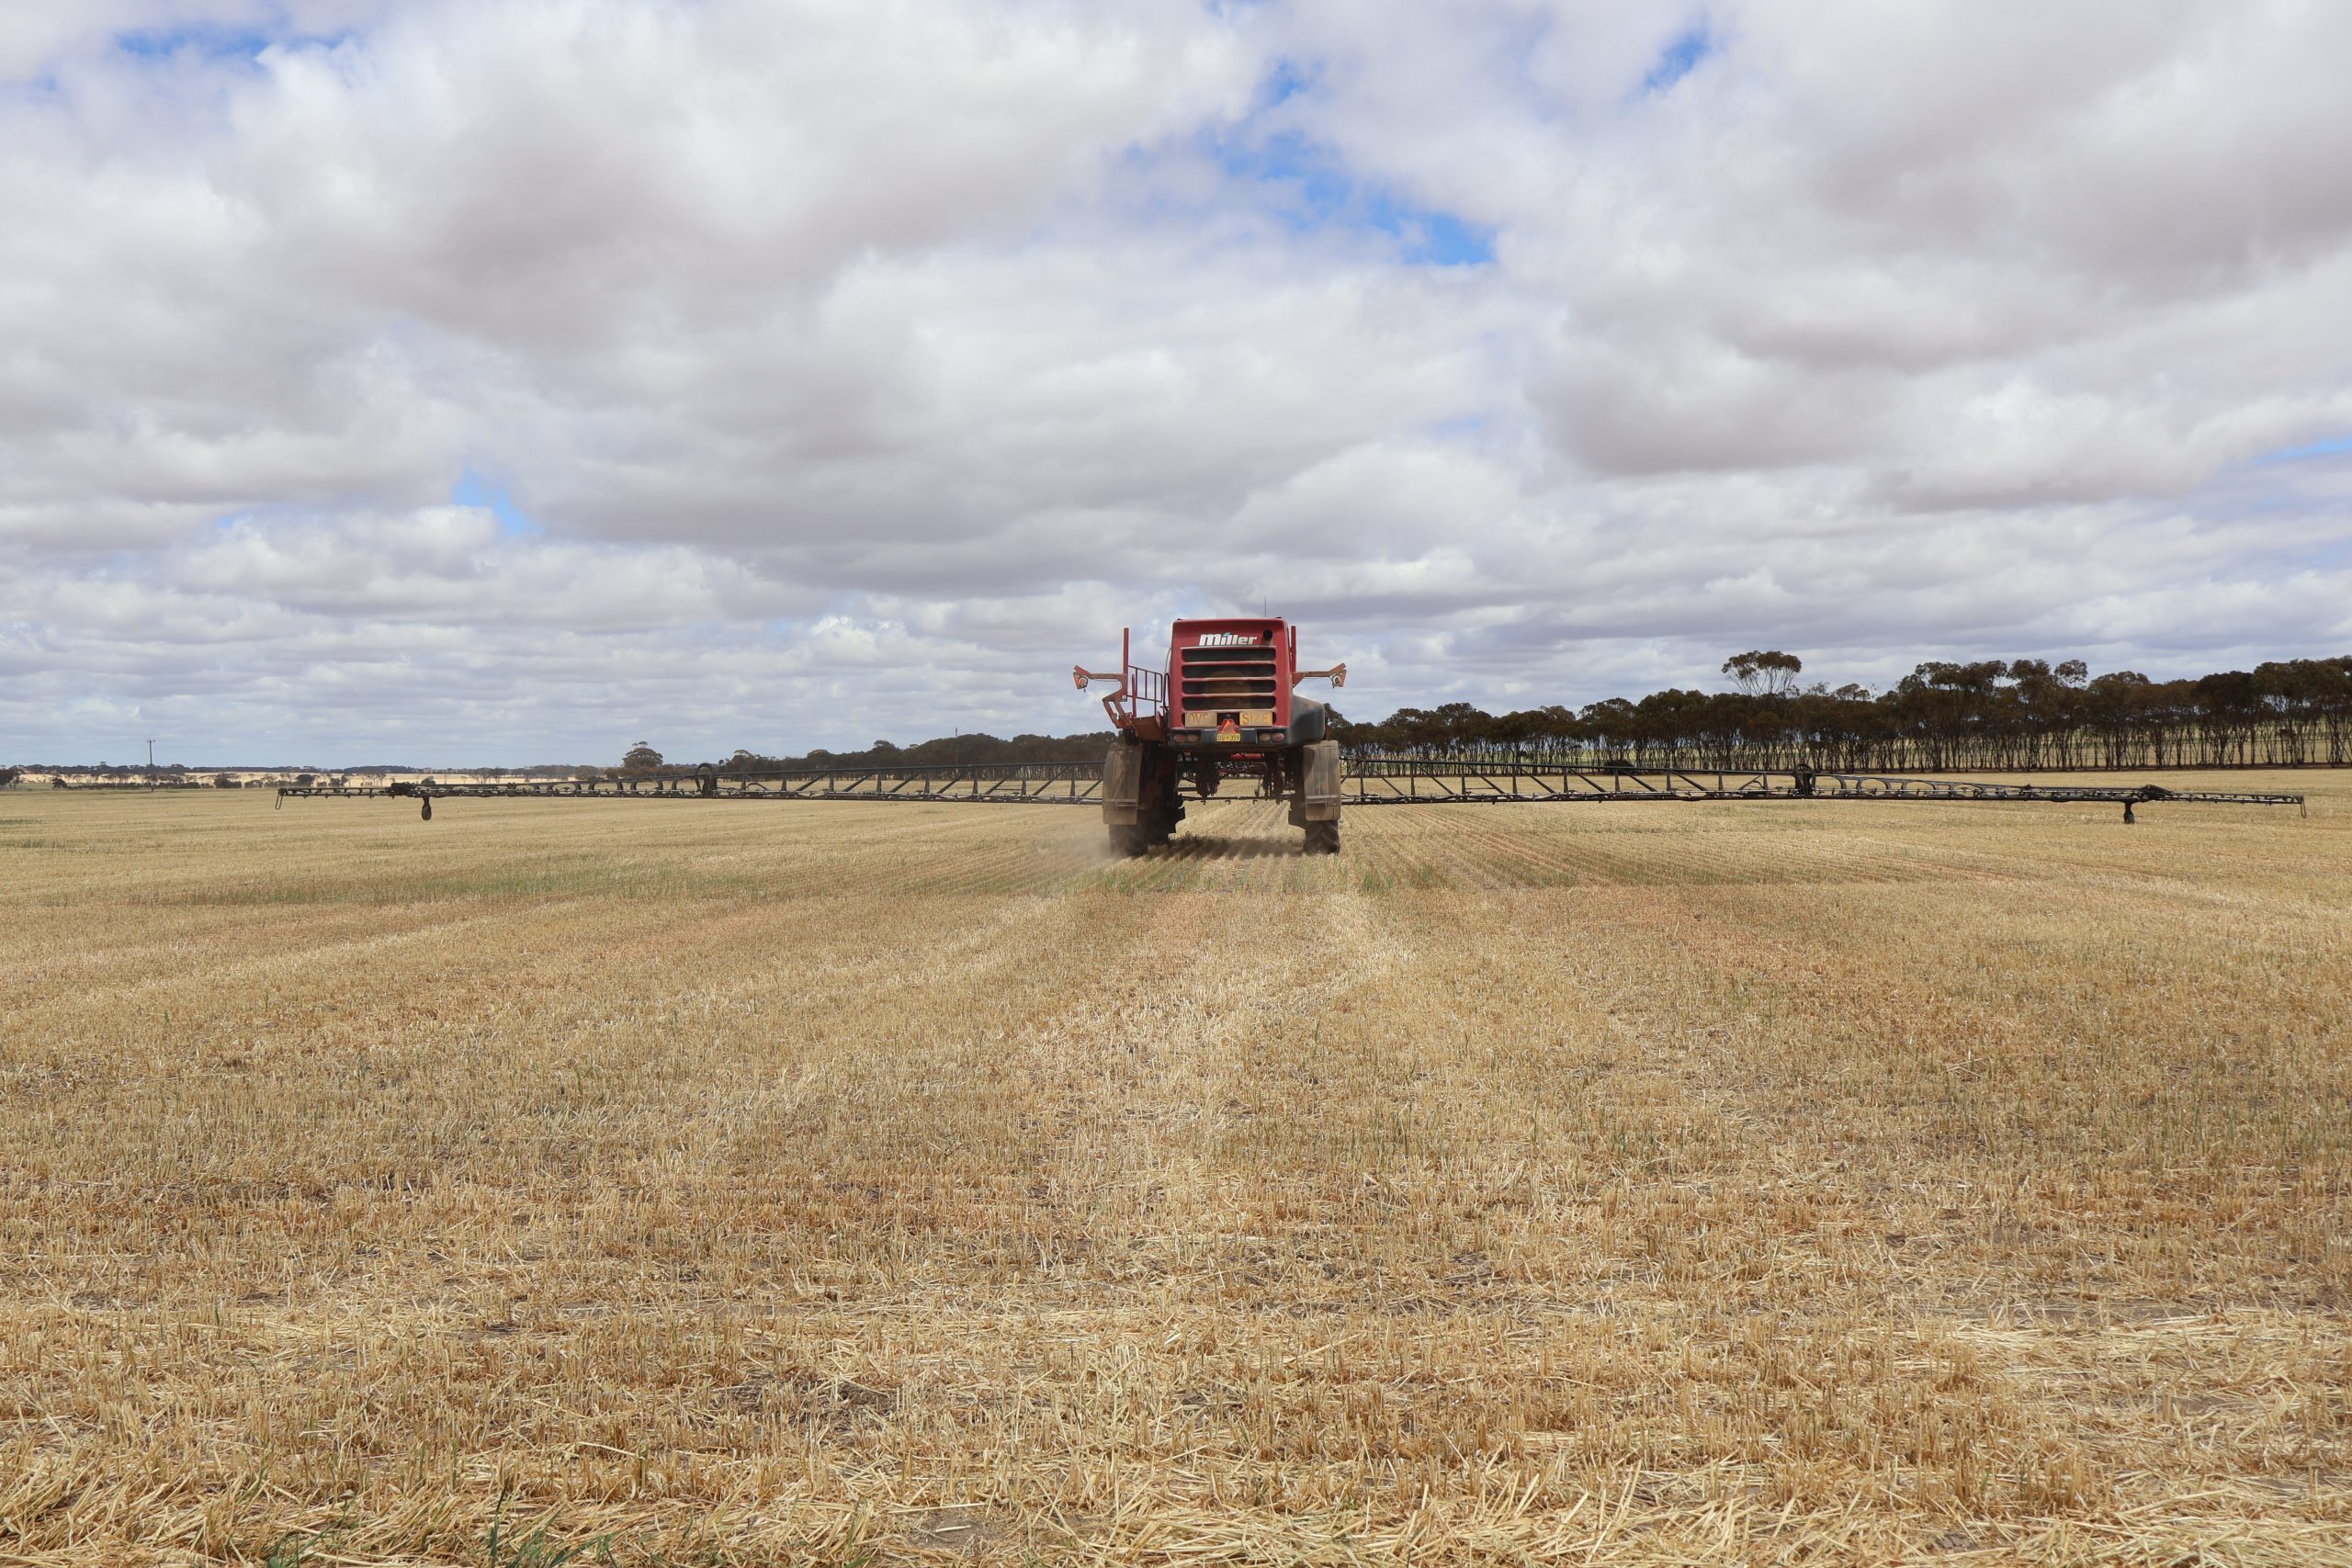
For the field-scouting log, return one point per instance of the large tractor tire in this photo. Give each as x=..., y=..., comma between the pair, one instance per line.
x=1163, y=801
x=1141, y=803
x=1315, y=807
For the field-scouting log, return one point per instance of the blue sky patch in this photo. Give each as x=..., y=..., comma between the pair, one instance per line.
x=1310, y=187
x=1682, y=57
x=2333, y=445
x=213, y=42
x=1286, y=81
x=210, y=42
x=472, y=490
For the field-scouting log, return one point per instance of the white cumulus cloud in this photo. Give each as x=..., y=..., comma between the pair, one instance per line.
x=510, y=379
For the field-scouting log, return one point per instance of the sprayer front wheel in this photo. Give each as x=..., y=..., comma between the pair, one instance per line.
x=1322, y=838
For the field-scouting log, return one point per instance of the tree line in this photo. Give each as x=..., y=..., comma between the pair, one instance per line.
x=2019, y=715
x=946, y=751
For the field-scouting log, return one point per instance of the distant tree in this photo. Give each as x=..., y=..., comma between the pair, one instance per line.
x=1762, y=673
x=2228, y=707
x=1612, y=723
x=641, y=760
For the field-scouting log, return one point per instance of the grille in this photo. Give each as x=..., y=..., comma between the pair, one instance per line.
x=1229, y=678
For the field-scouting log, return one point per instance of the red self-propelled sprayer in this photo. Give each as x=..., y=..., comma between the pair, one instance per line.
x=1224, y=707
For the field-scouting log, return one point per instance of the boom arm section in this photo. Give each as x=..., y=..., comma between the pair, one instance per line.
x=1366, y=780
x=1140, y=705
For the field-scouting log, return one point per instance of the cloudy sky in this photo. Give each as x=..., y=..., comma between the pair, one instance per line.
x=513, y=379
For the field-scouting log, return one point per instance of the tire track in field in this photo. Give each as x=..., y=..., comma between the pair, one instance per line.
x=1148, y=1065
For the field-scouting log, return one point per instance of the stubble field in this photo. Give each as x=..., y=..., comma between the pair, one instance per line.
x=756, y=1182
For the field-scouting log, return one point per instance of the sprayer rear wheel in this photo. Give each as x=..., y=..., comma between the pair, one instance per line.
x=1322, y=838
x=1129, y=839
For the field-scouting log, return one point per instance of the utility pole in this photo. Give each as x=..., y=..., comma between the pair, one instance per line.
x=151, y=764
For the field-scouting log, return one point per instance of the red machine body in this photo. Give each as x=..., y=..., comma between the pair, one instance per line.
x=1224, y=706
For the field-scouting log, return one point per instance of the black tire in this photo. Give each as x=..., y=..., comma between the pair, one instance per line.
x=1129, y=841
x=1322, y=838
